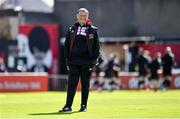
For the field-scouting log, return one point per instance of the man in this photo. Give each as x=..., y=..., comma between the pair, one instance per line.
x=143, y=63
x=154, y=67
x=167, y=62
x=81, y=52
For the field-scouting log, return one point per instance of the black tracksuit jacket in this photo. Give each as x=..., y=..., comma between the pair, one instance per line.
x=82, y=49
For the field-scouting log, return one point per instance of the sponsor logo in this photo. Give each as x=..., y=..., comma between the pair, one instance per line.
x=20, y=85
x=133, y=83
x=177, y=82
x=91, y=36
x=81, y=31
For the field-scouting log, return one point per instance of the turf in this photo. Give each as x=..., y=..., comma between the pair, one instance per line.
x=101, y=105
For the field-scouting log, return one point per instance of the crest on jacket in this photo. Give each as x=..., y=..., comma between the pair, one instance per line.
x=91, y=36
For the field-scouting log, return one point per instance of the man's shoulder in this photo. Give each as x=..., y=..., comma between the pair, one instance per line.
x=94, y=27
x=71, y=27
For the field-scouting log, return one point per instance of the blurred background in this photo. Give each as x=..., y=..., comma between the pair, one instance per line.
x=32, y=38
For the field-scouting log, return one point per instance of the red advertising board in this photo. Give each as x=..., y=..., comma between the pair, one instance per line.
x=23, y=82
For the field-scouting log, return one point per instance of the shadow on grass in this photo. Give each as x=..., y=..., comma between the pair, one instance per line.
x=55, y=113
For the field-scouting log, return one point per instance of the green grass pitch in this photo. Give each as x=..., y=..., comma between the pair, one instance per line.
x=101, y=105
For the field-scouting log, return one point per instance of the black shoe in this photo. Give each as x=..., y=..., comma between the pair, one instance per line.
x=83, y=108
x=66, y=109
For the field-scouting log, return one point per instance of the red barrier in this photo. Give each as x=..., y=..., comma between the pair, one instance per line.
x=23, y=82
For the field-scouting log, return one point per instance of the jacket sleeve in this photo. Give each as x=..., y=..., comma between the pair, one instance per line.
x=96, y=48
x=67, y=46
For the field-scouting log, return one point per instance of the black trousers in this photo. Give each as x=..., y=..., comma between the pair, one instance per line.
x=77, y=72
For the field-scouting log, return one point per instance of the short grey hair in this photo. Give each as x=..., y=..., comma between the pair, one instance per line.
x=83, y=10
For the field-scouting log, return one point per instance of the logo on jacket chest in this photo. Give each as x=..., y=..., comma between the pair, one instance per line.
x=81, y=31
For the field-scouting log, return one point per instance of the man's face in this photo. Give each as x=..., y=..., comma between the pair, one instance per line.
x=82, y=16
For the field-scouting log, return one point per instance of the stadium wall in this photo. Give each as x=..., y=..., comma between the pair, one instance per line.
x=117, y=18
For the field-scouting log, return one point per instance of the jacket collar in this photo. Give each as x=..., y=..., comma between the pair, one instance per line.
x=77, y=24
